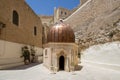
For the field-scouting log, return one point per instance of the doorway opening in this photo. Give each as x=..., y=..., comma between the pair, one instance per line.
x=61, y=63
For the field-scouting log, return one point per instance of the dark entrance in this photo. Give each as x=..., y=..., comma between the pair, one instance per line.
x=61, y=63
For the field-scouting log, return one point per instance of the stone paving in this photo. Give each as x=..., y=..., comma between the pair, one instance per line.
x=39, y=72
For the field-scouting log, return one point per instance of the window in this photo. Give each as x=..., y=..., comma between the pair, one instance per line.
x=45, y=52
x=35, y=30
x=65, y=13
x=15, y=18
x=61, y=12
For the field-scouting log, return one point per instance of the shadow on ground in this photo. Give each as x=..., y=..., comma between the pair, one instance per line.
x=79, y=67
x=22, y=67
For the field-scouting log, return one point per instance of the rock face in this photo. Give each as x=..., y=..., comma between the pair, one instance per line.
x=96, y=22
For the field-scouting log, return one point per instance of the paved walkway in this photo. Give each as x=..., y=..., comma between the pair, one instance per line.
x=39, y=72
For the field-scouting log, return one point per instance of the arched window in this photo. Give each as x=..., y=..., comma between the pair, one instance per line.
x=15, y=18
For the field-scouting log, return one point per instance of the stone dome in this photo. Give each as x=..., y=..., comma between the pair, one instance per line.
x=61, y=32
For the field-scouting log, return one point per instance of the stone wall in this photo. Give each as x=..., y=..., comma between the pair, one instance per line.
x=24, y=32
x=47, y=22
x=96, y=22
x=82, y=2
x=13, y=37
x=62, y=13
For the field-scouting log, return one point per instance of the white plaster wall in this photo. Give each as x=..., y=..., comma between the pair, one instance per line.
x=47, y=58
x=105, y=55
x=10, y=53
x=39, y=54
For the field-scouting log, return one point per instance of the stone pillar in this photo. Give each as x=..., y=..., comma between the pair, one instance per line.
x=55, y=64
x=72, y=62
x=67, y=64
x=51, y=66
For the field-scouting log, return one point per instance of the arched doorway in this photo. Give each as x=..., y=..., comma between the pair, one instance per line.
x=61, y=63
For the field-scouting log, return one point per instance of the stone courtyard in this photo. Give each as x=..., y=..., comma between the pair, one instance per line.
x=102, y=68
x=39, y=72
x=96, y=29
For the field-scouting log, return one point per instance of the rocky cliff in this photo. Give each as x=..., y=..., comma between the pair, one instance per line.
x=96, y=22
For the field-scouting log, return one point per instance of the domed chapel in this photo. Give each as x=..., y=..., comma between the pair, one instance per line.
x=60, y=52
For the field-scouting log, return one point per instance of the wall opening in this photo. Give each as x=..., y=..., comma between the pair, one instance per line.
x=61, y=63
x=35, y=30
x=15, y=19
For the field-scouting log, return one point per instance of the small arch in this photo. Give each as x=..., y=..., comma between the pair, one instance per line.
x=61, y=63
x=15, y=18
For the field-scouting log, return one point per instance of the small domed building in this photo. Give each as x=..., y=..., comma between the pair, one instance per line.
x=60, y=52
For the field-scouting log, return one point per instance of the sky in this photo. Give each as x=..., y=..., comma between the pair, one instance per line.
x=46, y=7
